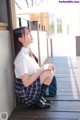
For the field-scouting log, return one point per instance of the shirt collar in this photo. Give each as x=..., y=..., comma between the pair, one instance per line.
x=25, y=50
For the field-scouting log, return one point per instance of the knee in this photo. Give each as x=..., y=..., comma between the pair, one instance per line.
x=51, y=74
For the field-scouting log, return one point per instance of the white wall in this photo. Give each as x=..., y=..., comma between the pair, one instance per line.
x=76, y=23
x=34, y=45
x=7, y=96
x=42, y=45
x=49, y=47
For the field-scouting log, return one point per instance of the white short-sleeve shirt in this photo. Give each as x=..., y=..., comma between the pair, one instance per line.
x=24, y=64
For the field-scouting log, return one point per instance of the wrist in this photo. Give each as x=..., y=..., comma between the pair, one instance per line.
x=42, y=69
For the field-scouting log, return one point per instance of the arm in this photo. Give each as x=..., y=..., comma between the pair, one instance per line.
x=28, y=80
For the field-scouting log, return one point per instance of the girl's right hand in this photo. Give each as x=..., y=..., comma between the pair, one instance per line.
x=48, y=67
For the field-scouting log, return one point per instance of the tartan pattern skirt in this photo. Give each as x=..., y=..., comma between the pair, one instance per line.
x=28, y=95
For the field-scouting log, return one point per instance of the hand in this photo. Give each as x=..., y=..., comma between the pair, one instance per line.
x=53, y=67
x=49, y=67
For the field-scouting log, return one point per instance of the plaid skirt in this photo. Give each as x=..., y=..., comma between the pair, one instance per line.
x=28, y=95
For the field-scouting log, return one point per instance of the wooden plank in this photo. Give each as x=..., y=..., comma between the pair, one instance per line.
x=67, y=62
x=64, y=61
x=58, y=58
x=3, y=24
x=64, y=58
x=68, y=83
x=61, y=64
x=57, y=106
x=67, y=93
x=66, y=104
x=58, y=64
x=27, y=118
x=66, y=67
x=3, y=28
x=67, y=90
x=64, y=64
x=69, y=87
x=67, y=72
x=67, y=75
x=65, y=98
x=41, y=114
x=70, y=65
x=67, y=80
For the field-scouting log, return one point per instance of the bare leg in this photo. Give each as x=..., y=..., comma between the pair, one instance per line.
x=46, y=77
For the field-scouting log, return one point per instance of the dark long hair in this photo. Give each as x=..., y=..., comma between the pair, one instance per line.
x=18, y=32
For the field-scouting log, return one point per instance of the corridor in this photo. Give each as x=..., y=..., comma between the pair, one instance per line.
x=66, y=105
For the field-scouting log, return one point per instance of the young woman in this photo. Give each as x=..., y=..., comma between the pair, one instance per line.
x=31, y=79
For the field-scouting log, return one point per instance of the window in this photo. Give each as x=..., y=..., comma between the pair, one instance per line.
x=59, y=25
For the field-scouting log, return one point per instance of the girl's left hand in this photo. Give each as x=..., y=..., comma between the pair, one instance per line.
x=49, y=67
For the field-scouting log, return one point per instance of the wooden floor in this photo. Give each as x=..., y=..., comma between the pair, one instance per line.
x=66, y=105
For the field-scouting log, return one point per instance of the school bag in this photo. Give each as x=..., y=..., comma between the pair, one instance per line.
x=52, y=89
